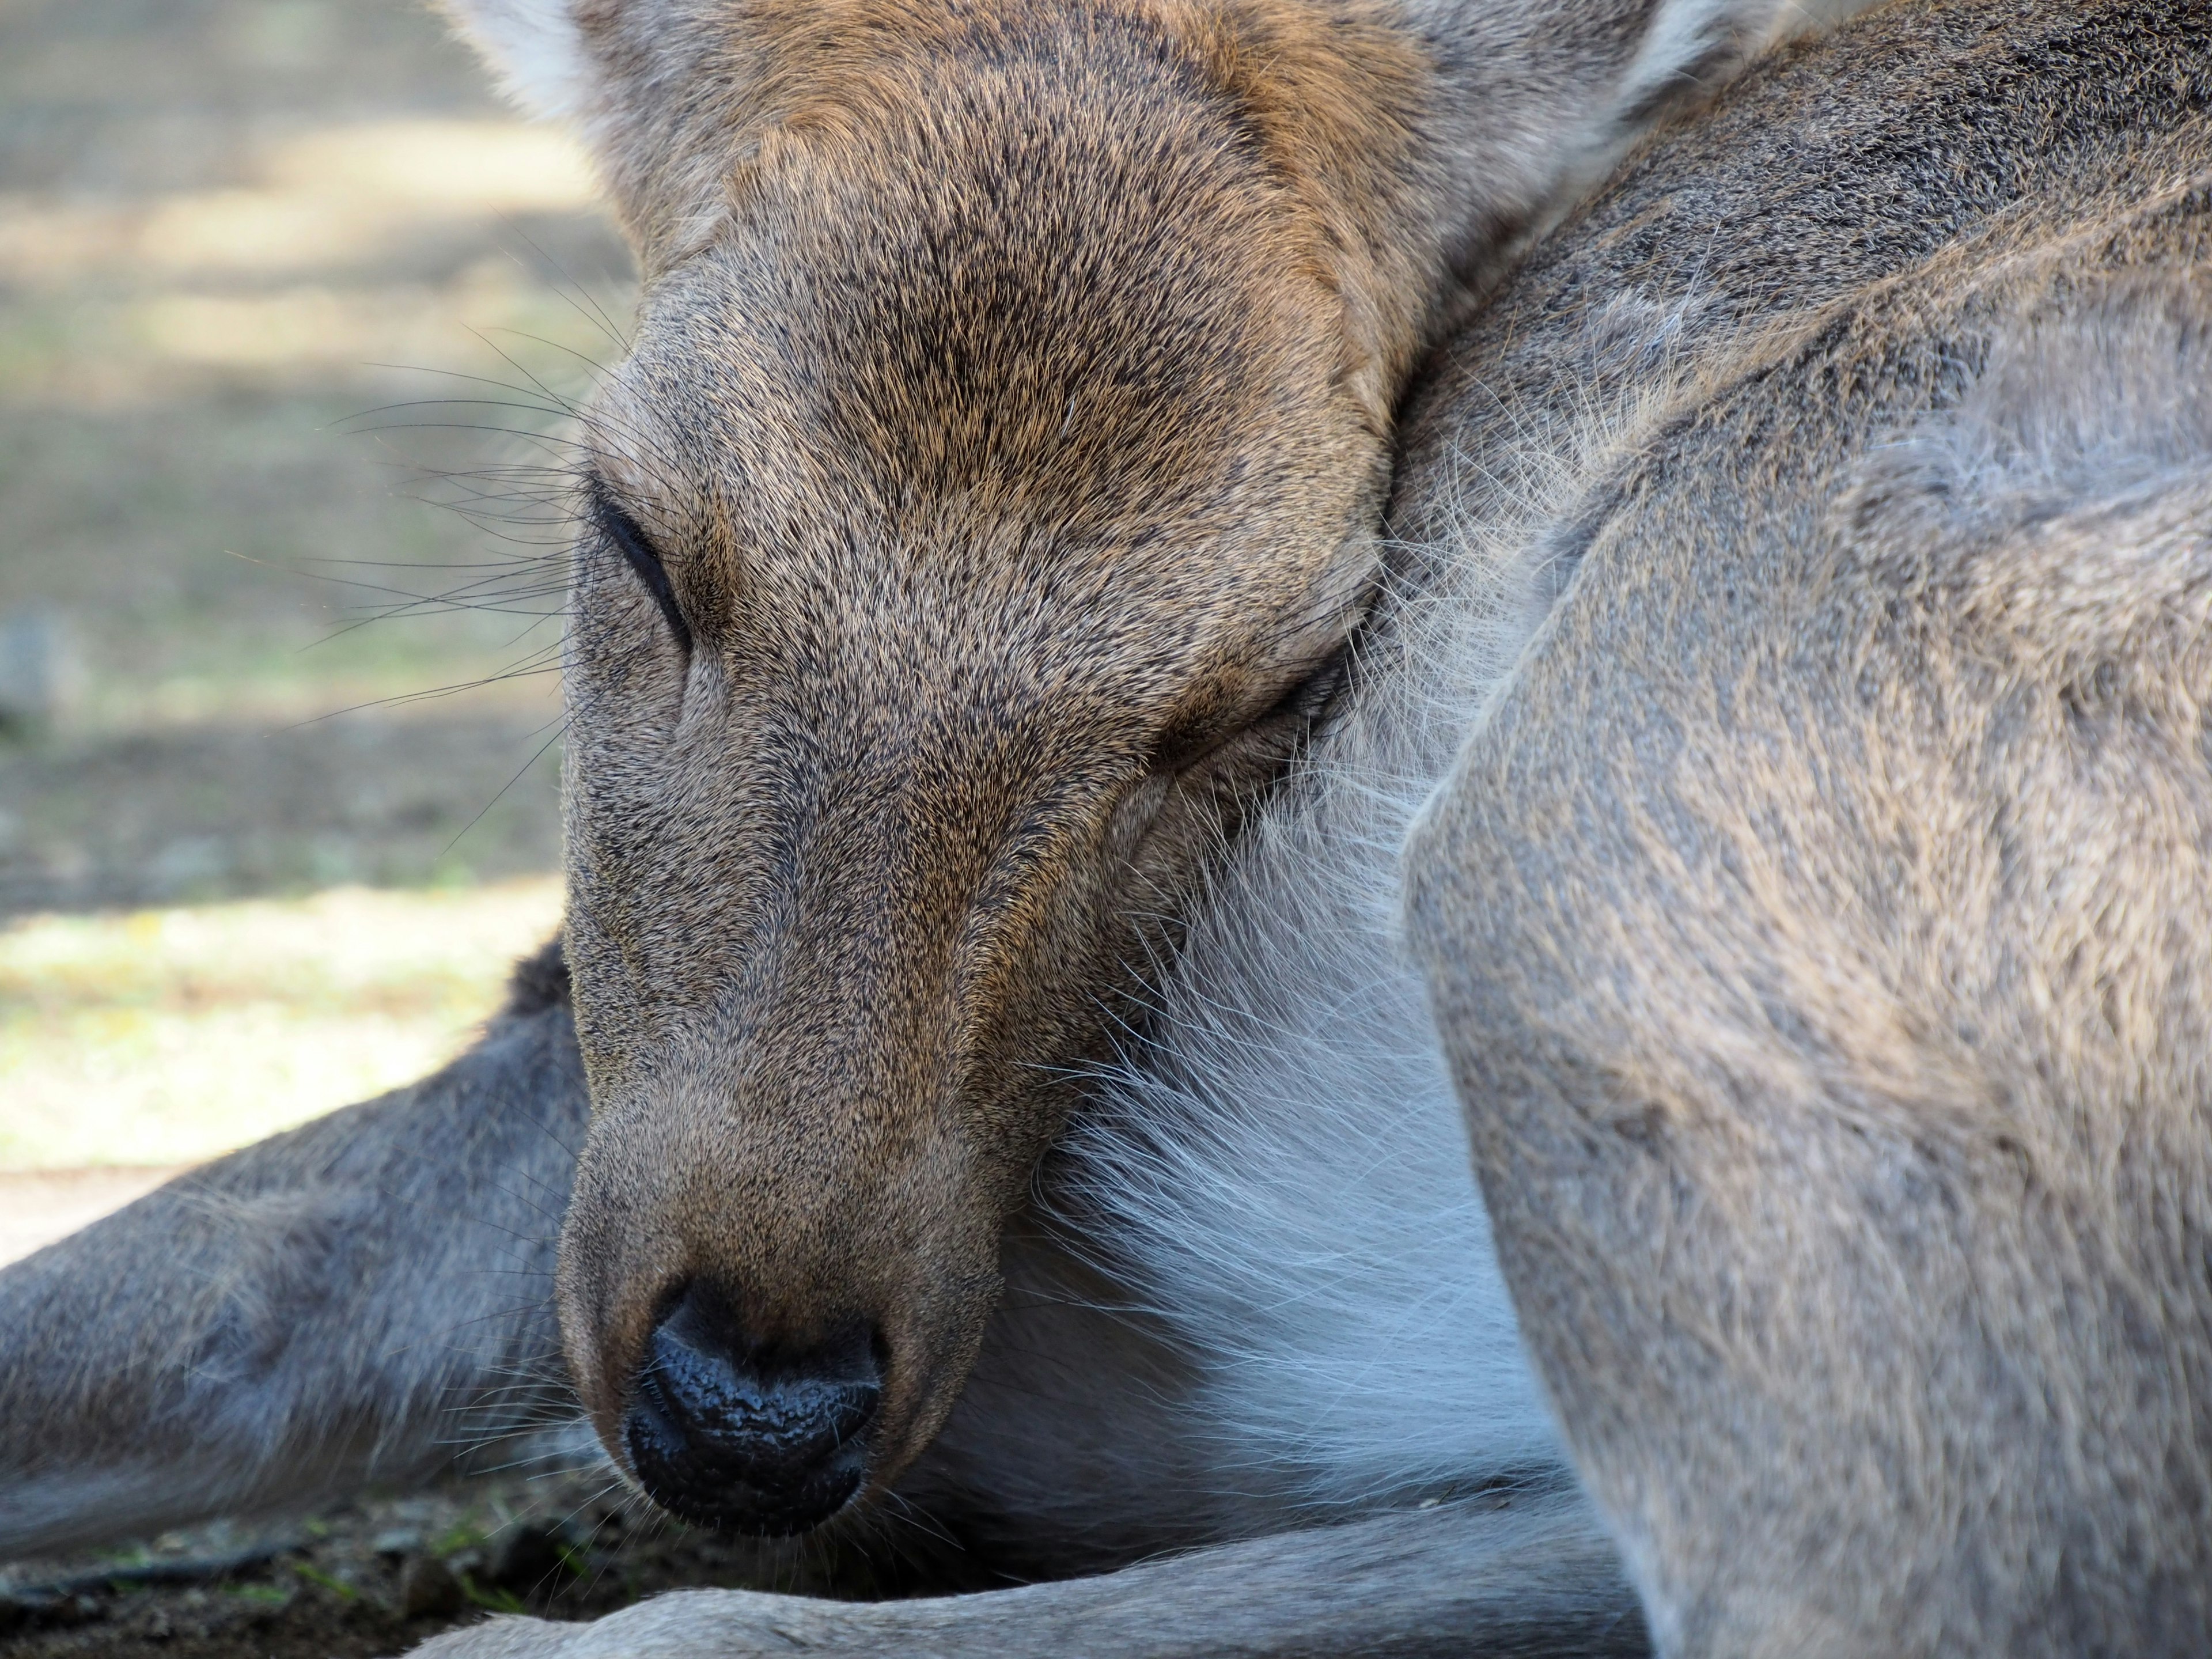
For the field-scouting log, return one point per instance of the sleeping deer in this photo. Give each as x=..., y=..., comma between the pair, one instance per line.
x=1136, y=701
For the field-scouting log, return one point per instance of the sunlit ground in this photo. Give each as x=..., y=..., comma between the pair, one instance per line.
x=281, y=285
x=246, y=247
x=167, y=1037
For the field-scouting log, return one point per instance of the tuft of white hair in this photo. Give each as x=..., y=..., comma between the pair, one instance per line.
x=534, y=49
x=1276, y=1171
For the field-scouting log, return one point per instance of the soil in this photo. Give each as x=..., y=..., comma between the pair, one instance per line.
x=370, y=1578
x=213, y=812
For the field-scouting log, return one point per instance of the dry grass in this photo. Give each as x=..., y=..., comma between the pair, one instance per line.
x=166, y=1036
x=233, y=235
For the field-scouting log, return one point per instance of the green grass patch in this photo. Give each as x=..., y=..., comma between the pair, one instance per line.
x=491, y=1596
x=322, y=1580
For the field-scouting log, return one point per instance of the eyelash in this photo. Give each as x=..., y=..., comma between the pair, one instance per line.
x=1310, y=697
x=618, y=527
x=1305, y=702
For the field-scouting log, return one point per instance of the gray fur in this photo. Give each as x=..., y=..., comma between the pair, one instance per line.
x=1817, y=919
x=367, y=1297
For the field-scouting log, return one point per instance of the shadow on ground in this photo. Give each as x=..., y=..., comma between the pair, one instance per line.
x=378, y=1576
x=226, y=809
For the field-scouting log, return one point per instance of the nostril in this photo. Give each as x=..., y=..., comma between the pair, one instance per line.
x=751, y=1413
x=727, y=1433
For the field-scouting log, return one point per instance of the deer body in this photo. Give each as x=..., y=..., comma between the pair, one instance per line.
x=1750, y=802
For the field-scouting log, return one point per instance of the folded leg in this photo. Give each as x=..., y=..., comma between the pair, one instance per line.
x=1819, y=929
x=1532, y=1578
x=365, y=1297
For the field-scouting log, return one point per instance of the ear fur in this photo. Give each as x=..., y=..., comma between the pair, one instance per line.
x=535, y=49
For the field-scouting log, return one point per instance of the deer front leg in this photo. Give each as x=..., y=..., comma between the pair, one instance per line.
x=364, y=1297
x=1533, y=1577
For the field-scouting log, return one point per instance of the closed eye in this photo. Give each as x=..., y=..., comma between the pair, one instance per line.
x=1309, y=700
x=623, y=531
x=1298, y=710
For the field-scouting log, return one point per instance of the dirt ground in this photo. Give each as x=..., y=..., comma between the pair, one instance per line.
x=216, y=810
x=251, y=252
x=375, y=1577
x=370, y=1578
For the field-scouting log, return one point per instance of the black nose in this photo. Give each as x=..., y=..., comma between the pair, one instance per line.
x=727, y=1434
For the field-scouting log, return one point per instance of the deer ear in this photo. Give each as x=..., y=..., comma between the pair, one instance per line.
x=534, y=48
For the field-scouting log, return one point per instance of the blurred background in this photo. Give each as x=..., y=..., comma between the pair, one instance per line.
x=290, y=307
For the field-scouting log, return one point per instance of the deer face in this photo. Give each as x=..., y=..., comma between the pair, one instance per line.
x=977, y=522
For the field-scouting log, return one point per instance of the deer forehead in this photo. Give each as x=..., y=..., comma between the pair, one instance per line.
x=798, y=495
x=991, y=354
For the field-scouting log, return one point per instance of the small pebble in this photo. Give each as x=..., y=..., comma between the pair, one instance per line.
x=427, y=1590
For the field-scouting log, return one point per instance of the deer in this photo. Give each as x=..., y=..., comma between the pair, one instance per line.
x=1350, y=901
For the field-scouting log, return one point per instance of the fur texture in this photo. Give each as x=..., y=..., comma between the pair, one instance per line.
x=1002, y=445
x=535, y=49
x=1815, y=918
x=1790, y=665
x=365, y=1298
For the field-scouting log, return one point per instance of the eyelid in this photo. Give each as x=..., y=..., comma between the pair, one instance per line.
x=1315, y=690
x=1305, y=701
x=630, y=541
